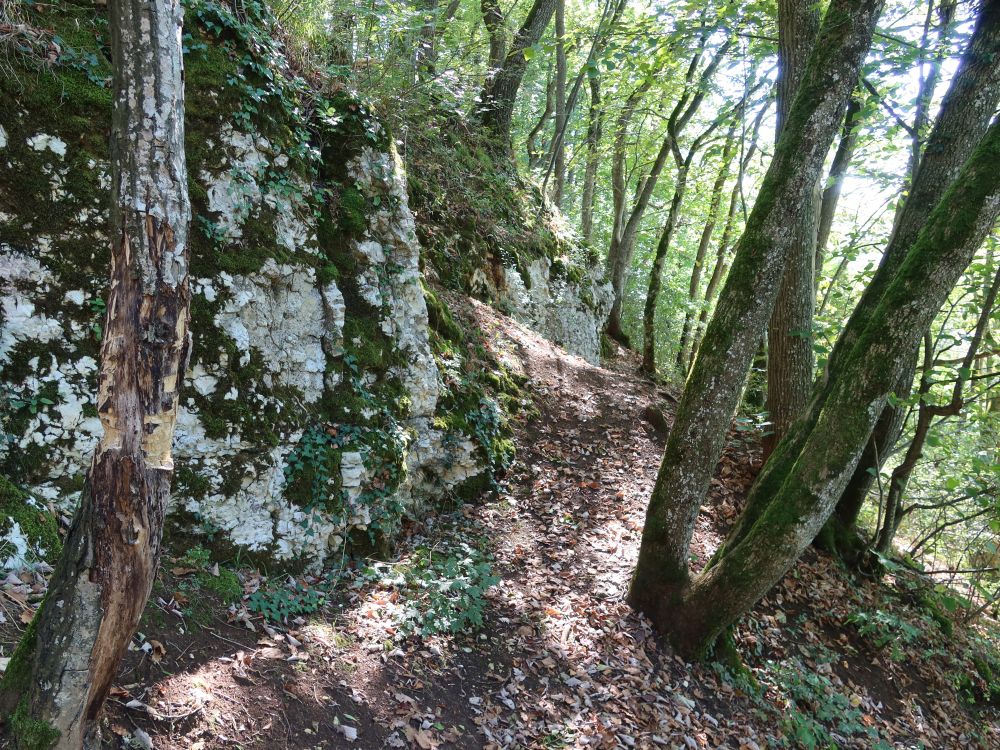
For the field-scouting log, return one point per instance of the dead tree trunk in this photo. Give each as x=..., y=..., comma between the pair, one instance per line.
x=63, y=670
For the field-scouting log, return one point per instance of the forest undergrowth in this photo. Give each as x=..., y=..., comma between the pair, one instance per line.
x=502, y=624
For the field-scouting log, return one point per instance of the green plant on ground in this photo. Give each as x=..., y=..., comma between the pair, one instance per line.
x=815, y=710
x=280, y=603
x=882, y=628
x=207, y=577
x=443, y=590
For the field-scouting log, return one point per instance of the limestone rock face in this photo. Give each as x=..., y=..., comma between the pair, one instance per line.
x=280, y=326
x=569, y=312
x=319, y=405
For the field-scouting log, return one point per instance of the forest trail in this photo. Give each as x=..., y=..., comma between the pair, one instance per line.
x=561, y=660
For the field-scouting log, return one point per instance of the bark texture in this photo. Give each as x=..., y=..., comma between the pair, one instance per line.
x=100, y=586
x=831, y=439
x=790, y=359
x=500, y=92
x=714, y=385
x=965, y=114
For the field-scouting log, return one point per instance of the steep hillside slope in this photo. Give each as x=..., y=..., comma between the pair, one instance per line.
x=502, y=624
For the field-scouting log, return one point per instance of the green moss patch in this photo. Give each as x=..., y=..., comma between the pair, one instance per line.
x=35, y=524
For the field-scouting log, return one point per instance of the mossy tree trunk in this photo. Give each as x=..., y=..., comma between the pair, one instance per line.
x=926, y=413
x=790, y=358
x=735, y=331
x=496, y=108
x=99, y=588
x=965, y=114
x=830, y=441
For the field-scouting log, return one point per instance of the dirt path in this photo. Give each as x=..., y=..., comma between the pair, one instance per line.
x=560, y=660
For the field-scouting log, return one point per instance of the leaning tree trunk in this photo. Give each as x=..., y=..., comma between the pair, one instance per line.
x=964, y=116
x=721, y=268
x=593, y=161
x=839, y=424
x=716, y=380
x=714, y=204
x=62, y=672
x=656, y=272
x=623, y=244
x=500, y=92
x=558, y=141
x=926, y=412
x=666, y=237
x=835, y=183
x=790, y=359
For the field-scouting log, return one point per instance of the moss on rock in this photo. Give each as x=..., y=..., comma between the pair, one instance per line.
x=24, y=523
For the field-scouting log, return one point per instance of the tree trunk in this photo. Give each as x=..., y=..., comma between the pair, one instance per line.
x=558, y=141
x=593, y=161
x=926, y=413
x=619, y=256
x=496, y=30
x=500, y=91
x=790, y=359
x=713, y=387
x=666, y=237
x=656, y=272
x=101, y=583
x=715, y=203
x=832, y=437
x=721, y=267
x=964, y=116
x=685, y=108
x=623, y=245
x=835, y=182
x=426, y=55
x=531, y=143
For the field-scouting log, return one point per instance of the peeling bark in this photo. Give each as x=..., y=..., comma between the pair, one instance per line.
x=100, y=586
